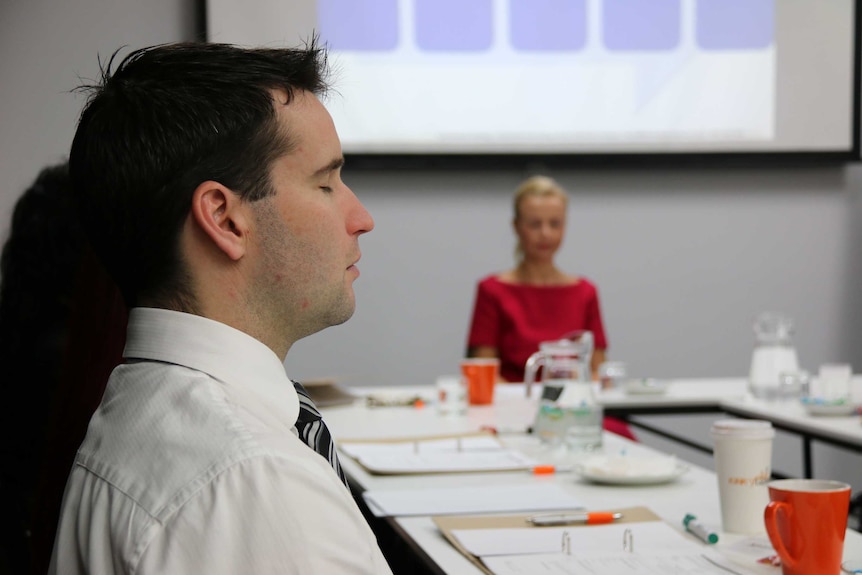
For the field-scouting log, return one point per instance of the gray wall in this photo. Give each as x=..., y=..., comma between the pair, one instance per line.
x=47, y=48
x=684, y=259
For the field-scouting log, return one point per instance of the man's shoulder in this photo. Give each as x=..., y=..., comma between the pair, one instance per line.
x=162, y=428
x=121, y=510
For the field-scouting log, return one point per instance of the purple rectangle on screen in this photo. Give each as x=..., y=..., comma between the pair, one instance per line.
x=548, y=25
x=363, y=25
x=454, y=25
x=641, y=24
x=735, y=24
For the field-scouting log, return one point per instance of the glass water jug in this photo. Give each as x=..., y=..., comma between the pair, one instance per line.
x=568, y=411
x=773, y=354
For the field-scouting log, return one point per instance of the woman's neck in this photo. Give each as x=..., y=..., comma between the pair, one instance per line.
x=539, y=273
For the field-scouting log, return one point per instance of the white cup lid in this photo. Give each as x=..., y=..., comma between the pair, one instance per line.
x=742, y=429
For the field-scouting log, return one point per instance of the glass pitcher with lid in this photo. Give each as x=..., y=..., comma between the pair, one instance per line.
x=568, y=410
x=773, y=354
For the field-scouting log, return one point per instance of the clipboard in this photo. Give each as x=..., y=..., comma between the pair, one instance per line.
x=447, y=523
x=328, y=393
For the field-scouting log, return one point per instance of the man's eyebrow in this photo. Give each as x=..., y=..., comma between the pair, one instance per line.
x=332, y=166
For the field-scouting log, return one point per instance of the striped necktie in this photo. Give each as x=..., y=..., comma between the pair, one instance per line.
x=313, y=431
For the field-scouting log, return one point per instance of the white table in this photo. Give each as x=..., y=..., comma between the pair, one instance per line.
x=723, y=396
x=681, y=396
x=695, y=492
x=730, y=396
x=840, y=431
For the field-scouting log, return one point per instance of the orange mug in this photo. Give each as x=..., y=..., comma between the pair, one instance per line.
x=806, y=520
x=481, y=374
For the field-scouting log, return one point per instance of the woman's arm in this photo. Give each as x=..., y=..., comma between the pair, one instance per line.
x=484, y=325
x=597, y=359
x=485, y=351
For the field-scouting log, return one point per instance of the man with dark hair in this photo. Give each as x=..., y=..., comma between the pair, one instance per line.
x=38, y=264
x=208, y=178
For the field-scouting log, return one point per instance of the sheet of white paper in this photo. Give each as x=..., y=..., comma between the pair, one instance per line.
x=659, y=563
x=648, y=535
x=405, y=463
x=460, y=500
x=480, y=453
x=490, y=542
x=445, y=445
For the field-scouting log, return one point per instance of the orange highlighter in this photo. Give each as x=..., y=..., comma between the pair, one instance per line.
x=548, y=469
x=589, y=518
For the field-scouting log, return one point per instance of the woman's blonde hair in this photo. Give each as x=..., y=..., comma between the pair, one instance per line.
x=535, y=186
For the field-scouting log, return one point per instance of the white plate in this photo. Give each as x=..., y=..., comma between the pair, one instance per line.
x=630, y=470
x=836, y=409
x=645, y=387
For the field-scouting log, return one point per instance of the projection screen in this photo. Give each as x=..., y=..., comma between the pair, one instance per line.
x=604, y=77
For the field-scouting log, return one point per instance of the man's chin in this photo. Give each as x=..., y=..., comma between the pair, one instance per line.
x=343, y=312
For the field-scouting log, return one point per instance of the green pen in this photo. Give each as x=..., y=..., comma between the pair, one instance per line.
x=693, y=526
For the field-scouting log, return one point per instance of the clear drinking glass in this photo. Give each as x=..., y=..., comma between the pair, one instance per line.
x=612, y=374
x=793, y=384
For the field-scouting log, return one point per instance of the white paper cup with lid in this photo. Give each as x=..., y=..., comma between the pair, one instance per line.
x=742, y=450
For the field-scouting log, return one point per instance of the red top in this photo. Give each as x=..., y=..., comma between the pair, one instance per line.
x=515, y=318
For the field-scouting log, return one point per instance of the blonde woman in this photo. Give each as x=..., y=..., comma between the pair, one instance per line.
x=535, y=301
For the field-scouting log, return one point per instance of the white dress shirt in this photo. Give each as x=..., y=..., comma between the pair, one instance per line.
x=191, y=464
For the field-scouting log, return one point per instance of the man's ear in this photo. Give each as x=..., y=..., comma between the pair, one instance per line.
x=221, y=215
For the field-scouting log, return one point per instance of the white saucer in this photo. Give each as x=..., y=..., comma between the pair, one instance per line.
x=645, y=386
x=825, y=408
x=820, y=406
x=630, y=470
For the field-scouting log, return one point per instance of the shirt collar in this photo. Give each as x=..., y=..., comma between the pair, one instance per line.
x=226, y=354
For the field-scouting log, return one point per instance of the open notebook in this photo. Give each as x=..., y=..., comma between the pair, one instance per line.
x=639, y=543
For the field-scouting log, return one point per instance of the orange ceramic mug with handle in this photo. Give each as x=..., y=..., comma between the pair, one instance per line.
x=481, y=374
x=806, y=520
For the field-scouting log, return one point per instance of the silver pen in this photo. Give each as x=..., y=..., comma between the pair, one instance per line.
x=591, y=518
